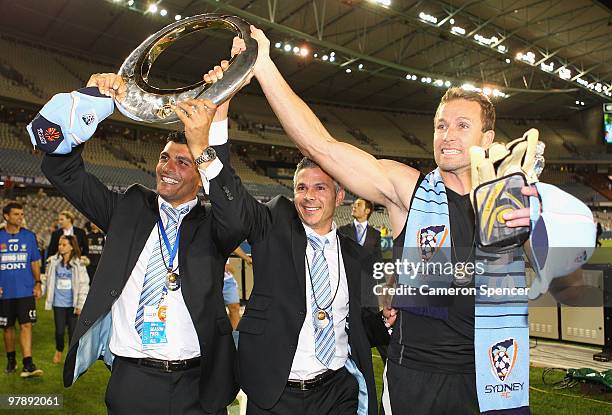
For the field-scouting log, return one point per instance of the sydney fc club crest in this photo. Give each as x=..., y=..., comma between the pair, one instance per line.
x=503, y=356
x=430, y=239
x=51, y=134
x=88, y=118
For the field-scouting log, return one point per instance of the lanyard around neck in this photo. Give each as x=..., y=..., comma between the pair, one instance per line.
x=171, y=249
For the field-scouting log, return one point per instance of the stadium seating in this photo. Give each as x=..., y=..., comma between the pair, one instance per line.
x=124, y=153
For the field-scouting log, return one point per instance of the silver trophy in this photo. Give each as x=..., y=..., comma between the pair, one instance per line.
x=146, y=103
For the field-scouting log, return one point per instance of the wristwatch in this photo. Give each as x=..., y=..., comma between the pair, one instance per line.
x=209, y=154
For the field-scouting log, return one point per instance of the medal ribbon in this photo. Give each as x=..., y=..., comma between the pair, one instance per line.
x=171, y=249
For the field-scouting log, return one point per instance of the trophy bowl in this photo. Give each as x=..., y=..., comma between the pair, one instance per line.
x=146, y=103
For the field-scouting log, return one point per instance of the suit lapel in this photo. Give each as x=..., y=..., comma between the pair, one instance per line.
x=298, y=250
x=146, y=219
x=353, y=233
x=351, y=268
x=189, y=225
x=192, y=278
x=368, y=239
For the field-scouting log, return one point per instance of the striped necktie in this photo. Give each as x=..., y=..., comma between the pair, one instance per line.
x=155, y=276
x=325, y=341
x=359, y=234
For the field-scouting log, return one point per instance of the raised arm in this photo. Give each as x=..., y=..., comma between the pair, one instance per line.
x=385, y=182
x=73, y=119
x=238, y=216
x=85, y=191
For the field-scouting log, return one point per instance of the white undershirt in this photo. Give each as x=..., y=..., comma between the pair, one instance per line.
x=305, y=363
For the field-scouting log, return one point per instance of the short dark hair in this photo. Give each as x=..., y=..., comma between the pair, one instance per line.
x=368, y=205
x=11, y=205
x=307, y=163
x=487, y=109
x=177, y=137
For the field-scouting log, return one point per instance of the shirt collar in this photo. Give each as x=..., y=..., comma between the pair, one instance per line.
x=190, y=205
x=363, y=224
x=330, y=236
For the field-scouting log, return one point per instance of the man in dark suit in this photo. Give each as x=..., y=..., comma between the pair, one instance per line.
x=95, y=242
x=303, y=347
x=360, y=231
x=368, y=237
x=282, y=368
x=155, y=315
x=66, y=222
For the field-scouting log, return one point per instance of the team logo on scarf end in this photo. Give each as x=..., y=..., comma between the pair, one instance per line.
x=430, y=239
x=503, y=356
x=88, y=118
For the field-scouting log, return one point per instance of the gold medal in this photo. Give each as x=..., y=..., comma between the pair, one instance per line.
x=172, y=281
x=322, y=319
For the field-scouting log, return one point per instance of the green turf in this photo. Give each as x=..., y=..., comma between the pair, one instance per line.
x=544, y=400
x=602, y=255
x=86, y=396
x=547, y=400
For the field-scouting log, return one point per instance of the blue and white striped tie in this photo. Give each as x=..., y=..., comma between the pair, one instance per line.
x=155, y=276
x=359, y=233
x=325, y=341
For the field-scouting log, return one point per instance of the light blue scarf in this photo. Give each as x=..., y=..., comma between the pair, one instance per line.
x=501, y=334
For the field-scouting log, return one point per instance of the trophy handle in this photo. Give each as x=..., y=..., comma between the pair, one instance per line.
x=146, y=103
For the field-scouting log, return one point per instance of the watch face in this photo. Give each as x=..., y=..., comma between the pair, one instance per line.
x=210, y=153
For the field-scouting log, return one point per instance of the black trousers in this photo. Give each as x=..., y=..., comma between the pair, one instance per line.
x=414, y=392
x=337, y=396
x=63, y=317
x=137, y=390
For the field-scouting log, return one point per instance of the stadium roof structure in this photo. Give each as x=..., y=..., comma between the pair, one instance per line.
x=545, y=58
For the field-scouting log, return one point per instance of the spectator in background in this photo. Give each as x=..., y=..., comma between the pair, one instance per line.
x=231, y=296
x=20, y=282
x=369, y=238
x=66, y=222
x=384, y=231
x=95, y=243
x=67, y=286
x=598, y=234
x=8, y=188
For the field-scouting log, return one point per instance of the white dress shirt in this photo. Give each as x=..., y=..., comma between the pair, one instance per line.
x=180, y=332
x=305, y=363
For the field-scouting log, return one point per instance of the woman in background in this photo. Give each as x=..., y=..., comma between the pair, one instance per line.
x=67, y=286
